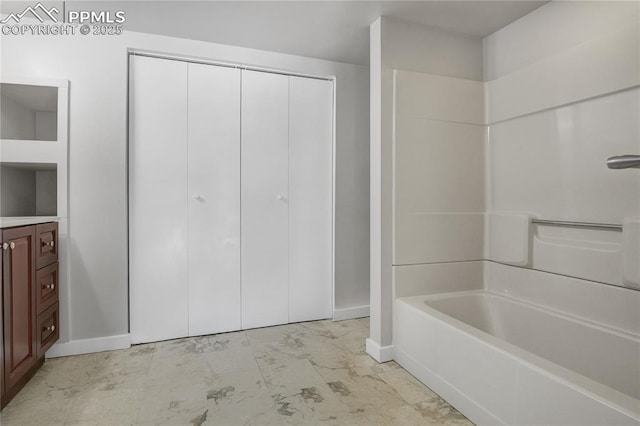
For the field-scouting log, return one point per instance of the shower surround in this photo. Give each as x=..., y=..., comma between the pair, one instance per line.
x=477, y=169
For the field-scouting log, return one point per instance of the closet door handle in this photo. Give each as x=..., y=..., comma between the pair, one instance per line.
x=198, y=197
x=281, y=197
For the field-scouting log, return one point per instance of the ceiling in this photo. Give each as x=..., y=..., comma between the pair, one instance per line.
x=333, y=30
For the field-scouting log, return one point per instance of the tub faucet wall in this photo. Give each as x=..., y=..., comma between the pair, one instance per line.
x=562, y=102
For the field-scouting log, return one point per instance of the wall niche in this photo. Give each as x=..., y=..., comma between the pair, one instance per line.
x=28, y=112
x=28, y=189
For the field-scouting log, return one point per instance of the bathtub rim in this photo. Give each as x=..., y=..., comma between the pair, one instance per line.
x=617, y=400
x=635, y=336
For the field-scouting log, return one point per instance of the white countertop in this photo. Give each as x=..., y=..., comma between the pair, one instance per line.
x=8, y=222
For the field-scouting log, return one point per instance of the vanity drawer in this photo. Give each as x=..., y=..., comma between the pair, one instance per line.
x=46, y=287
x=47, y=329
x=47, y=244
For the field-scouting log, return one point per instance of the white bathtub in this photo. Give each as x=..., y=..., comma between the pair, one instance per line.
x=504, y=361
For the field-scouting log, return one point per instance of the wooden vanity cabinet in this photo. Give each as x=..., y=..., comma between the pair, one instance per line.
x=29, y=302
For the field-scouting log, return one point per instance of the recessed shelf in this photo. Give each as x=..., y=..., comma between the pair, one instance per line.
x=24, y=151
x=28, y=189
x=28, y=112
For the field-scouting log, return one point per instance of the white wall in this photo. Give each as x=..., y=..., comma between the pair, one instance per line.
x=563, y=98
x=414, y=47
x=46, y=125
x=97, y=70
x=397, y=44
x=439, y=183
x=439, y=171
x=553, y=29
x=18, y=122
x=46, y=192
x=18, y=189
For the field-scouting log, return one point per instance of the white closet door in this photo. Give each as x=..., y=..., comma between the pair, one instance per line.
x=265, y=223
x=158, y=199
x=214, y=199
x=310, y=192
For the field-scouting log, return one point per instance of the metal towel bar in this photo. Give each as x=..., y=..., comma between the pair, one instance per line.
x=624, y=162
x=608, y=226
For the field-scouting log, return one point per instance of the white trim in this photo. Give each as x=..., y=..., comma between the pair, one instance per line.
x=334, y=150
x=87, y=346
x=350, y=313
x=35, y=81
x=205, y=61
x=380, y=353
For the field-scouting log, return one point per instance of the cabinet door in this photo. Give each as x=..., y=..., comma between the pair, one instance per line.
x=214, y=199
x=265, y=187
x=311, y=198
x=19, y=303
x=158, y=199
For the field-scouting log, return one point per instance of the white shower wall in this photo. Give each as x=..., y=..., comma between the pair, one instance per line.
x=560, y=96
x=556, y=107
x=555, y=115
x=439, y=191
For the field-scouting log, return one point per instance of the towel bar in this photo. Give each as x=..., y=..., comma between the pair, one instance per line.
x=608, y=226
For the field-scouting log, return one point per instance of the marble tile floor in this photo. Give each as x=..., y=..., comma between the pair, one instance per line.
x=297, y=374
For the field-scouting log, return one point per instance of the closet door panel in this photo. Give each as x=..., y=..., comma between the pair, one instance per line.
x=158, y=199
x=264, y=192
x=214, y=199
x=310, y=190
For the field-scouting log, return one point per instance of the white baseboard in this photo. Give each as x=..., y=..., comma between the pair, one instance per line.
x=350, y=313
x=87, y=346
x=379, y=353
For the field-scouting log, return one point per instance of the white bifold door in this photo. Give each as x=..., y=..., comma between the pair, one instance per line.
x=214, y=205
x=230, y=199
x=310, y=198
x=265, y=198
x=158, y=200
x=184, y=201
x=286, y=198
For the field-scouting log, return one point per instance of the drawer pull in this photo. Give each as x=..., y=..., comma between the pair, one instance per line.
x=50, y=328
x=12, y=245
x=50, y=243
x=51, y=286
x=5, y=246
